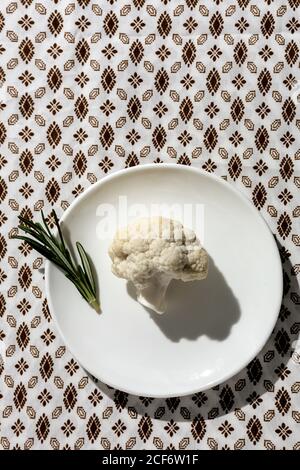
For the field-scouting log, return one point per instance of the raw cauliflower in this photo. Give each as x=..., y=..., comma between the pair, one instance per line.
x=151, y=252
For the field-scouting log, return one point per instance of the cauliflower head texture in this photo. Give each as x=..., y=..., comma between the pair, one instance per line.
x=151, y=252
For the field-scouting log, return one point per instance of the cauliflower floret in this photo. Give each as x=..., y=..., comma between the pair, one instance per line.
x=151, y=252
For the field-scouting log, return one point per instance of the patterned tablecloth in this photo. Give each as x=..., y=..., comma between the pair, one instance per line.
x=89, y=87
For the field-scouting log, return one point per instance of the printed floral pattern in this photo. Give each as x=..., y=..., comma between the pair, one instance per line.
x=87, y=88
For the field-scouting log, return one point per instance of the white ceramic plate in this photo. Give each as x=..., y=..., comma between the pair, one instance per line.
x=213, y=327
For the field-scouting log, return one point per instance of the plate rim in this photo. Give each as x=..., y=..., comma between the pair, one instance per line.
x=238, y=193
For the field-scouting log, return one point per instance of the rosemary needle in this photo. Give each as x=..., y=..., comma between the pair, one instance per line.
x=55, y=249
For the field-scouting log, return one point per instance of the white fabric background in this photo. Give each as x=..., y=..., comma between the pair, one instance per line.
x=50, y=404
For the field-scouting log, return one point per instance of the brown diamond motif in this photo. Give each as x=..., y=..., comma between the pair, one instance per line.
x=264, y=81
x=2, y=133
x=283, y=401
x=93, y=427
x=254, y=430
x=259, y=196
x=2, y=76
x=20, y=396
x=159, y=137
x=261, y=139
x=254, y=371
x=54, y=78
x=81, y=107
x=161, y=81
x=134, y=108
x=267, y=24
x=55, y=23
x=216, y=24
x=2, y=305
x=26, y=106
x=46, y=367
x=284, y=225
x=213, y=81
x=2, y=21
x=120, y=399
x=52, y=191
x=186, y=109
x=288, y=110
x=210, y=138
x=110, y=24
x=235, y=167
x=46, y=311
x=25, y=277
x=240, y=53
x=80, y=163
x=54, y=134
x=294, y=4
x=292, y=53
x=191, y=3
x=42, y=428
x=26, y=50
x=70, y=397
x=237, y=110
x=145, y=428
x=83, y=3
x=3, y=189
x=184, y=160
x=243, y=3
x=164, y=24
x=131, y=160
x=26, y=162
x=282, y=342
x=173, y=403
x=26, y=213
x=189, y=53
x=198, y=428
x=136, y=52
x=106, y=136
x=108, y=79
x=3, y=247
x=23, y=336
x=82, y=51
x=286, y=168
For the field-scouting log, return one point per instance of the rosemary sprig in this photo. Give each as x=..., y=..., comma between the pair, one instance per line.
x=55, y=249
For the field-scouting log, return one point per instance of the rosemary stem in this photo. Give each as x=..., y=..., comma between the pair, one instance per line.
x=95, y=304
x=56, y=250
